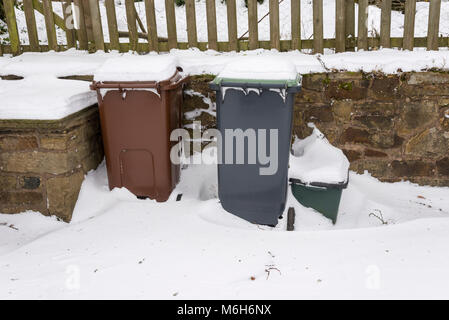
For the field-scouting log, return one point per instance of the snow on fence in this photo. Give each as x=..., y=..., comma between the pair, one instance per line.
x=87, y=33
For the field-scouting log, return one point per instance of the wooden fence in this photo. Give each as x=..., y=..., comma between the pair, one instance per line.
x=89, y=32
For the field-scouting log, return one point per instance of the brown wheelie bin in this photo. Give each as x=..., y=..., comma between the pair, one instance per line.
x=137, y=118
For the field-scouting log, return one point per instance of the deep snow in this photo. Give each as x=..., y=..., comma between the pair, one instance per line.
x=315, y=160
x=120, y=247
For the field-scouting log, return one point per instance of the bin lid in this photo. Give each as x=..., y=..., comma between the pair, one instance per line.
x=260, y=69
x=137, y=68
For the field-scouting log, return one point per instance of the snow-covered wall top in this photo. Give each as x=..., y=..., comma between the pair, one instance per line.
x=43, y=98
x=193, y=61
x=41, y=87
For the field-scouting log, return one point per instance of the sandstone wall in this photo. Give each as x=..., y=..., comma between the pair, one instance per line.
x=43, y=163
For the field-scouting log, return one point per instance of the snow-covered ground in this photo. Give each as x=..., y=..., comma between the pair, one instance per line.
x=397, y=25
x=120, y=247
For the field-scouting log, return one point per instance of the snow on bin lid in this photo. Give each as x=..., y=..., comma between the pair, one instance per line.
x=316, y=161
x=137, y=68
x=260, y=70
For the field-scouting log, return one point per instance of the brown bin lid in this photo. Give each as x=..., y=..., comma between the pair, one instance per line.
x=170, y=83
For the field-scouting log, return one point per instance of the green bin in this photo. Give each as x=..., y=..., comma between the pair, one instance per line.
x=321, y=197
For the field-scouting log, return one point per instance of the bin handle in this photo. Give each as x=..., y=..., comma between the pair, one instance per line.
x=177, y=83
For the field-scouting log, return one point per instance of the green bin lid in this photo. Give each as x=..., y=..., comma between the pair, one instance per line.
x=285, y=82
x=254, y=69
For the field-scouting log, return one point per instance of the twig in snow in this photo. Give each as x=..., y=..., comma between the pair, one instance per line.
x=318, y=57
x=11, y=226
x=270, y=268
x=378, y=216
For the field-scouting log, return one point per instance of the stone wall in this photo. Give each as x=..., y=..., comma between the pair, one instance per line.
x=394, y=126
x=43, y=163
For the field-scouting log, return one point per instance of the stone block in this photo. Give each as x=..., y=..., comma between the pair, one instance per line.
x=315, y=82
x=429, y=143
x=320, y=113
x=37, y=162
x=346, y=90
x=412, y=168
x=355, y=135
x=375, y=153
x=443, y=166
x=18, y=143
x=384, y=87
x=416, y=115
x=352, y=155
x=8, y=182
x=369, y=107
x=62, y=194
x=428, y=78
x=19, y=201
x=308, y=96
x=378, y=122
x=342, y=109
x=54, y=142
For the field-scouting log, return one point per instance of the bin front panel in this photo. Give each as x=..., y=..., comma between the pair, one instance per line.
x=142, y=181
x=135, y=127
x=243, y=191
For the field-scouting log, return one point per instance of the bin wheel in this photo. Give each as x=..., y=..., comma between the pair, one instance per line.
x=179, y=197
x=291, y=219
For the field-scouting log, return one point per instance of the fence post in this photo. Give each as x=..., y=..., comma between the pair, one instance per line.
x=69, y=30
x=31, y=25
x=81, y=32
x=97, y=28
x=211, y=15
x=296, y=24
x=340, y=26
x=274, y=25
x=434, y=23
x=88, y=20
x=114, y=40
x=50, y=25
x=385, y=24
x=350, y=25
x=362, y=28
x=171, y=24
x=232, y=25
x=12, y=26
x=253, y=29
x=132, y=25
x=409, y=25
x=151, y=25
x=191, y=23
x=318, y=41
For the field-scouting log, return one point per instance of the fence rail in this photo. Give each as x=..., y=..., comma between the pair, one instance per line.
x=88, y=33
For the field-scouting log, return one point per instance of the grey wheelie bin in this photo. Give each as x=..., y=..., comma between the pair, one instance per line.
x=255, y=98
